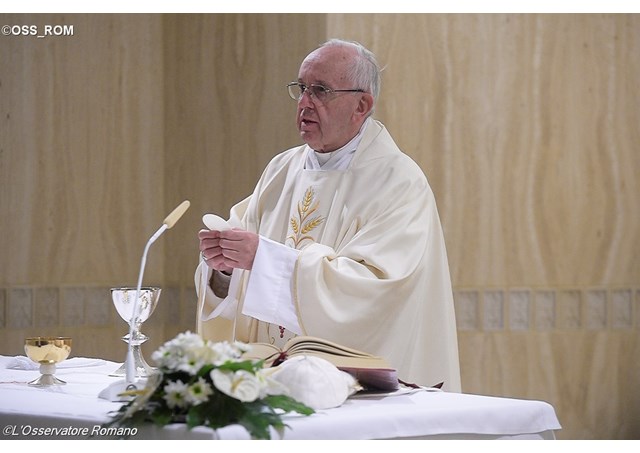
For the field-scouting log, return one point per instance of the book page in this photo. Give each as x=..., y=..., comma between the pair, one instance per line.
x=302, y=343
x=262, y=351
x=370, y=371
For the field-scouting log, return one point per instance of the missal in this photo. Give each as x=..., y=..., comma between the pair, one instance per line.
x=372, y=372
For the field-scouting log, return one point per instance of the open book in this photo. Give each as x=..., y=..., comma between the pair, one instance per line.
x=372, y=372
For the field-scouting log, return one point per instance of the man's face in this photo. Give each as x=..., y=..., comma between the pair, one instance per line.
x=330, y=125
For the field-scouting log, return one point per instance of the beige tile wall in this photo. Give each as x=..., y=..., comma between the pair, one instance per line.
x=526, y=125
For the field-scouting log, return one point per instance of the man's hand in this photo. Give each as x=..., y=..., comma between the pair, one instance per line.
x=229, y=249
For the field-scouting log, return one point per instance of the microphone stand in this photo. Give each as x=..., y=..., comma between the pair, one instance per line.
x=114, y=392
x=130, y=367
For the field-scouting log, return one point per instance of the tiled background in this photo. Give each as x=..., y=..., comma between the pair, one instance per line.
x=50, y=309
x=546, y=309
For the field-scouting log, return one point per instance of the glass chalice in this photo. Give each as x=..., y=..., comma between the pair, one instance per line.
x=47, y=351
x=123, y=299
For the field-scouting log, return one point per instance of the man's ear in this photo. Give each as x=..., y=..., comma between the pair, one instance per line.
x=365, y=104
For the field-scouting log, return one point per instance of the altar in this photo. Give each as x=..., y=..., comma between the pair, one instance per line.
x=74, y=411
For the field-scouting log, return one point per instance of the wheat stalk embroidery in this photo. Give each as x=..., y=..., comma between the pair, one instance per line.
x=305, y=223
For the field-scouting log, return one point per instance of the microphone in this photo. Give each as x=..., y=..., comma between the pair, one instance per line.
x=175, y=215
x=167, y=223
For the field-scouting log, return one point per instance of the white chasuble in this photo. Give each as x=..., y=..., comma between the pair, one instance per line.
x=371, y=271
x=312, y=196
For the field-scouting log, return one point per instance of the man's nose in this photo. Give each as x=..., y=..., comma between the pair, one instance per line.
x=305, y=100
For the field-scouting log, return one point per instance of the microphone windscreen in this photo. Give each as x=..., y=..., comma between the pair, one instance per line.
x=175, y=215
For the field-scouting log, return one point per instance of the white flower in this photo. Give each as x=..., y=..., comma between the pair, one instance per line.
x=188, y=340
x=198, y=392
x=241, y=385
x=224, y=352
x=241, y=347
x=165, y=357
x=190, y=362
x=268, y=385
x=177, y=353
x=176, y=394
x=189, y=352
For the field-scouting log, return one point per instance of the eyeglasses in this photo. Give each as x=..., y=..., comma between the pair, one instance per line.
x=319, y=92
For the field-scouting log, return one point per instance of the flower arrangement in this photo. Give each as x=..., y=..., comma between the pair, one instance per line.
x=202, y=383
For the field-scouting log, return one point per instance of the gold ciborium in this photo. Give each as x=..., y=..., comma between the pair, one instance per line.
x=47, y=351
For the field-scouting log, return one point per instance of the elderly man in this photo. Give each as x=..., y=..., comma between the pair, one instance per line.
x=341, y=238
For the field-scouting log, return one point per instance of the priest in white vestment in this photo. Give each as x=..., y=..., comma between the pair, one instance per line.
x=341, y=238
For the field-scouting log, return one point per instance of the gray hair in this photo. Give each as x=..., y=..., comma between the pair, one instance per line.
x=365, y=72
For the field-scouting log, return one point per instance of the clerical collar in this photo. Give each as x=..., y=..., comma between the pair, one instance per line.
x=338, y=159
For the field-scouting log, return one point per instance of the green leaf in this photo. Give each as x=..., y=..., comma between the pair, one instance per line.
x=196, y=416
x=258, y=423
x=205, y=370
x=222, y=410
x=246, y=365
x=162, y=418
x=288, y=404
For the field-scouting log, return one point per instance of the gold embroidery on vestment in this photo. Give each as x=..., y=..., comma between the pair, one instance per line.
x=305, y=223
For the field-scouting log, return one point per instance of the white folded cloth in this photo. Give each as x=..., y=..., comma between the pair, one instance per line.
x=25, y=363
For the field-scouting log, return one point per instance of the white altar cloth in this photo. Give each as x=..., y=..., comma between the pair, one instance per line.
x=32, y=413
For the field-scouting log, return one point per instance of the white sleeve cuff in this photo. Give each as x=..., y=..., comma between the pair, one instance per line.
x=210, y=305
x=272, y=274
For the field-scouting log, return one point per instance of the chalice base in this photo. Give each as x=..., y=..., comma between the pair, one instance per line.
x=46, y=380
x=122, y=391
x=143, y=369
x=47, y=377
